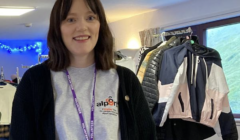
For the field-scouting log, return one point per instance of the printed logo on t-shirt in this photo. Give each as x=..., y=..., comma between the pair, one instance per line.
x=108, y=102
x=109, y=106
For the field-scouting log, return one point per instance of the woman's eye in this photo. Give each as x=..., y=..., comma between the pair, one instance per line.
x=90, y=18
x=70, y=20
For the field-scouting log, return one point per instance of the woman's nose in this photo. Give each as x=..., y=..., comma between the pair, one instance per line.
x=81, y=25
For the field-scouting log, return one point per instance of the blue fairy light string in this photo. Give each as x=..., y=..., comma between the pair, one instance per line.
x=37, y=47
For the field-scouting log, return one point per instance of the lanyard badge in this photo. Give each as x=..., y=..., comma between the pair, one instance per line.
x=79, y=108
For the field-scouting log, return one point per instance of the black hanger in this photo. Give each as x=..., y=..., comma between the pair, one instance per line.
x=195, y=39
x=197, y=47
x=194, y=43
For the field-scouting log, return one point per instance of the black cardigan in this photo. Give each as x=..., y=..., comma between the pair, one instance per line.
x=33, y=107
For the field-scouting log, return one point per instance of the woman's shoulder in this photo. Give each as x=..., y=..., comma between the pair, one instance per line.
x=121, y=69
x=40, y=70
x=36, y=75
x=126, y=74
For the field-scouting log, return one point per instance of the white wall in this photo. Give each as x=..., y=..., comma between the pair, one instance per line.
x=180, y=15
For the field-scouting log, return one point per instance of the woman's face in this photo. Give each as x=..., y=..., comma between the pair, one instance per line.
x=80, y=29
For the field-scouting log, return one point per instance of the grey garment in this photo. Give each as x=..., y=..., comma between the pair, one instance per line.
x=67, y=122
x=150, y=79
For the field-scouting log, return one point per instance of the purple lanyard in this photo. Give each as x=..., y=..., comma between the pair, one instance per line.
x=79, y=109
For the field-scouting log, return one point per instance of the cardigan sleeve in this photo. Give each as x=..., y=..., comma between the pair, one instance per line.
x=22, y=122
x=143, y=117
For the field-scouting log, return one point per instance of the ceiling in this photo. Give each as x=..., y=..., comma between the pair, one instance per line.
x=13, y=28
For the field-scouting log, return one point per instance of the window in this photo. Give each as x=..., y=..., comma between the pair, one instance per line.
x=226, y=40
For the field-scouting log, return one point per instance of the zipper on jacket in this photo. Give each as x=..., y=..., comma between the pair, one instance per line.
x=197, y=60
x=212, y=108
x=181, y=101
x=192, y=69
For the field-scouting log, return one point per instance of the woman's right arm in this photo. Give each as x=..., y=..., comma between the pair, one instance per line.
x=23, y=120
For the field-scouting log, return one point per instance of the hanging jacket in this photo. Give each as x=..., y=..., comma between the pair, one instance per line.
x=178, y=129
x=192, y=85
x=150, y=79
x=143, y=55
x=139, y=54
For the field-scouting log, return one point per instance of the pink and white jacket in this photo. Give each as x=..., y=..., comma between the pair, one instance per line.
x=192, y=86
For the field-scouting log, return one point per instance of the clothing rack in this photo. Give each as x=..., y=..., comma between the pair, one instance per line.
x=39, y=61
x=26, y=67
x=40, y=57
x=2, y=75
x=2, y=82
x=2, y=78
x=182, y=32
x=174, y=33
x=17, y=73
x=179, y=32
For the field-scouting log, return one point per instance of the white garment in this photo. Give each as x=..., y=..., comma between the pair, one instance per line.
x=128, y=63
x=7, y=93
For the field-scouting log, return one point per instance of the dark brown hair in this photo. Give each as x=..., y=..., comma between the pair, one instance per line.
x=58, y=53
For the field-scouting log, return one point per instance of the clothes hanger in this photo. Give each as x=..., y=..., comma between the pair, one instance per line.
x=2, y=82
x=195, y=44
x=163, y=36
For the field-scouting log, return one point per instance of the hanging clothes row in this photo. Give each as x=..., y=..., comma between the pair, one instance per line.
x=7, y=92
x=186, y=90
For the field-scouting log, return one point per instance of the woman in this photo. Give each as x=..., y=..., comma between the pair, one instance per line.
x=79, y=93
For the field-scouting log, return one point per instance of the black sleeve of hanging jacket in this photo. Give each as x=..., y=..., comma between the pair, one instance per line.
x=228, y=126
x=22, y=122
x=142, y=115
